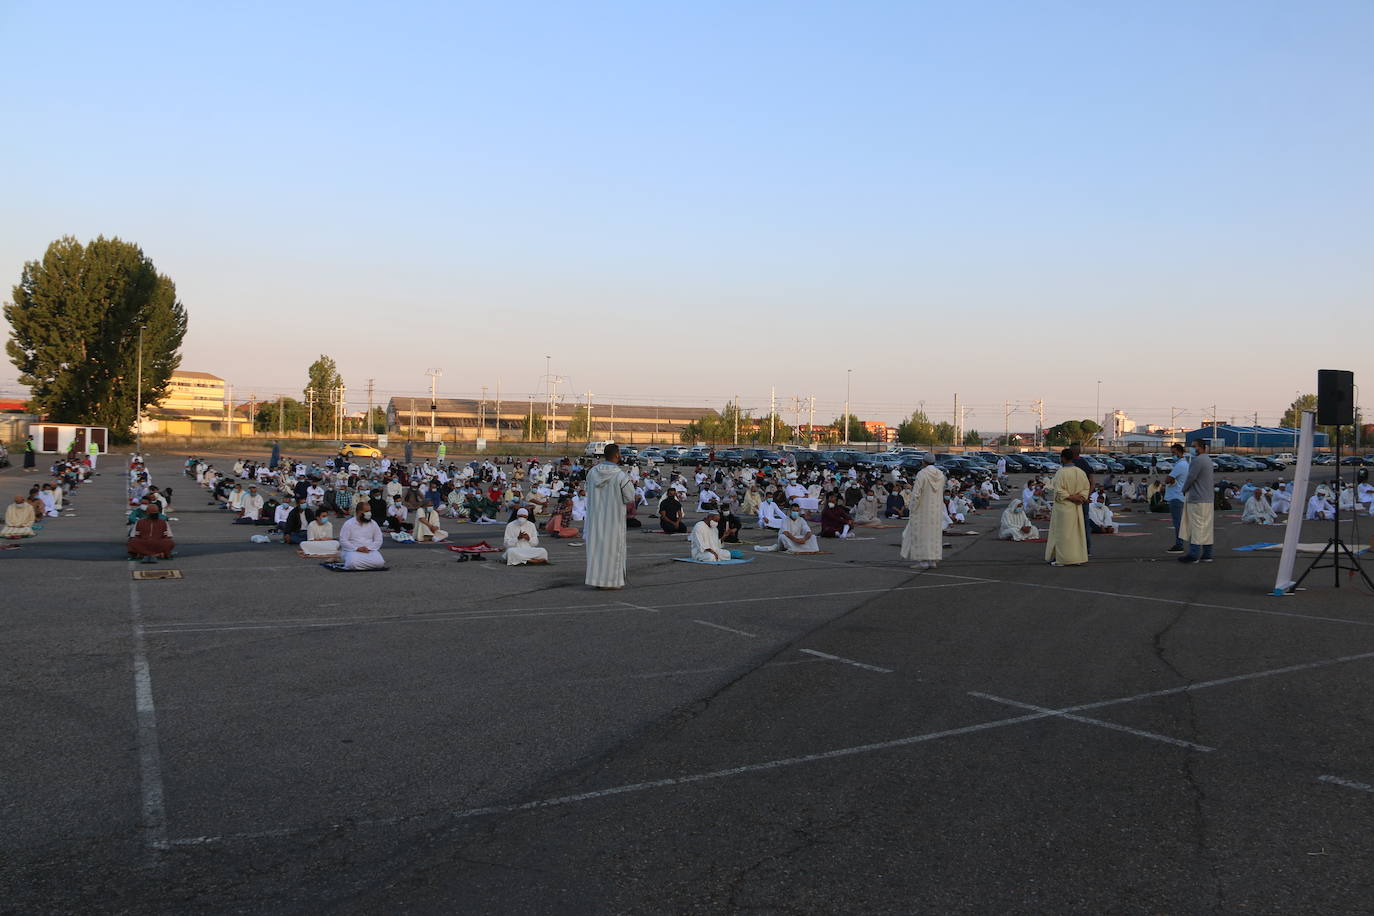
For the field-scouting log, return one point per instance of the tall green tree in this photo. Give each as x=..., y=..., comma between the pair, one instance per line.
x=579, y=425
x=1292, y=417
x=74, y=331
x=972, y=438
x=944, y=433
x=916, y=430
x=288, y=415
x=857, y=431
x=324, y=379
x=534, y=426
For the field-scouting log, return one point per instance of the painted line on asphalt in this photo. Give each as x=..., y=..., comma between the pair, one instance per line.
x=798, y=760
x=707, y=623
x=154, y=810
x=166, y=629
x=639, y=607
x=847, y=661
x=1347, y=783
x=1100, y=723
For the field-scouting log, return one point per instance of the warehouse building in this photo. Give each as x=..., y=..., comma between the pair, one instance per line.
x=1270, y=437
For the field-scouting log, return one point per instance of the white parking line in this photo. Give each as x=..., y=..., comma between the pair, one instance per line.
x=809, y=758
x=1100, y=723
x=149, y=757
x=1348, y=783
x=847, y=661
x=707, y=623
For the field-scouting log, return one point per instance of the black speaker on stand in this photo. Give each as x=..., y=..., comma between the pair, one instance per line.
x=1336, y=407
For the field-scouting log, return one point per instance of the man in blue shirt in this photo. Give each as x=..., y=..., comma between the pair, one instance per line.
x=1173, y=492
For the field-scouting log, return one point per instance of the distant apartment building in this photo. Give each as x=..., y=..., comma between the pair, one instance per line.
x=193, y=406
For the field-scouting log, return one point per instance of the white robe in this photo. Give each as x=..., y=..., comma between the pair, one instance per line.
x=355, y=534
x=320, y=541
x=798, y=527
x=609, y=491
x=1282, y=500
x=1101, y=516
x=923, y=538
x=1257, y=511
x=770, y=516
x=520, y=552
x=1013, y=520
x=427, y=525
x=579, y=508
x=1320, y=508
x=706, y=539
x=252, y=505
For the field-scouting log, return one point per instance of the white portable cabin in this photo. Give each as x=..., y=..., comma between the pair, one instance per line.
x=56, y=438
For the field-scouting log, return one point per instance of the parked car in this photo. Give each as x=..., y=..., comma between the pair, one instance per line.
x=4, y=457
x=672, y=452
x=694, y=455
x=359, y=450
x=629, y=453
x=651, y=455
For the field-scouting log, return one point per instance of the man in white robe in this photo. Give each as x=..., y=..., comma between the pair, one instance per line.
x=1257, y=510
x=923, y=538
x=579, y=505
x=1319, y=507
x=1015, y=525
x=522, y=541
x=796, y=535
x=705, y=541
x=428, y=528
x=1282, y=499
x=252, y=507
x=319, y=537
x=770, y=516
x=360, y=542
x=1101, y=516
x=609, y=491
x=707, y=499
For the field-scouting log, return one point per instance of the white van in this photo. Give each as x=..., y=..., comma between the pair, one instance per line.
x=597, y=449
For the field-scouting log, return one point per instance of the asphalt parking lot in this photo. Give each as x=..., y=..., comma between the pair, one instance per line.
x=837, y=733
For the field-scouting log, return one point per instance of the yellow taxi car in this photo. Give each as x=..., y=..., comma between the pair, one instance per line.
x=359, y=450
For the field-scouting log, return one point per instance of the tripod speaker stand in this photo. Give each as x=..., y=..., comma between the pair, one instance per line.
x=1340, y=556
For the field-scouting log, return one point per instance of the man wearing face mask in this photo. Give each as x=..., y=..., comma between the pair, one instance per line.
x=360, y=541
x=1173, y=493
x=706, y=546
x=1199, y=497
x=796, y=536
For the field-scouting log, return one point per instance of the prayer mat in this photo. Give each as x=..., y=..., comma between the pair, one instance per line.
x=1262, y=545
x=157, y=574
x=708, y=563
x=882, y=526
x=960, y=534
x=1125, y=534
x=12, y=547
x=1031, y=541
x=339, y=567
x=331, y=557
x=479, y=547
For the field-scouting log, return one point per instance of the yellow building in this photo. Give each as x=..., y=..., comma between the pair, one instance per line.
x=458, y=419
x=193, y=406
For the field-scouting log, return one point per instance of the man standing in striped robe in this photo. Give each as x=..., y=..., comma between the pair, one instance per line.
x=608, y=491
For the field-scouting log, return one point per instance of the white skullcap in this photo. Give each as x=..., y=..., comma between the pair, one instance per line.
x=523, y=513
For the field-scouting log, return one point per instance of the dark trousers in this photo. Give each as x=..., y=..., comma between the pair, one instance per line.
x=1176, y=513
x=1087, y=529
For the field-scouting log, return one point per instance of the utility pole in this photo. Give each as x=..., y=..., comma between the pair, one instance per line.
x=1006, y=424
x=612, y=435
x=530, y=423
x=848, y=375
x=772, y=414
x=253, y=410
x=310, y=412
x=138, y=393
x=343, y=410
x=498, y=410
x=281, y=416
x=229, y=411
x=371, y=427
x=412, y=419
x=957, y=432
x=482, y=415
x=736, y=419
x=433, y=394
x=591, y=430
x=1040, y=430
x=811, y=419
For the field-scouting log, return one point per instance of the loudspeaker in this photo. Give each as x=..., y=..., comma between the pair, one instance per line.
x=1335, y=397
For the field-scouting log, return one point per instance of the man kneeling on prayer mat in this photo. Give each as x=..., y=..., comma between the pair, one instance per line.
x=427, y=527
x=522, y=541
x=319, y=537
x=152, y=538
x=706, y=546
x=1100, y=517
x=557, y=525
x=19, y=519
x=1257, y=510
x=1015, y=525
x=360, y=541
x=796, y=536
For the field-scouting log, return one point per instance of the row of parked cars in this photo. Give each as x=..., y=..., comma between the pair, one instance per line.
x=971, y=465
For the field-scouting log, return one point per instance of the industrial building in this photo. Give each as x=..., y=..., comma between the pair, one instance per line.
x=1269, y=437
x=468, y=419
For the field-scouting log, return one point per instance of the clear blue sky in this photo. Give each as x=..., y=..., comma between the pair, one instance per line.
x=1009, y=200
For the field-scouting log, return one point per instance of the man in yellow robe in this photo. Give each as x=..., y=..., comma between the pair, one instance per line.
x=1068, y=541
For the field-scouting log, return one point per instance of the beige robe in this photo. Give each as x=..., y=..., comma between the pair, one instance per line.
x=923, y=539
x=1068, y=541
x=18, y=521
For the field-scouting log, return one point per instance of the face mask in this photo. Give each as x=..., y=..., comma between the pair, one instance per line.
x=1192, y=453
x=793, y=515
x=712, y=524
x=367, y=516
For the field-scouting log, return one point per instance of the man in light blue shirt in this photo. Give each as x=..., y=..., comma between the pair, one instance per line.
x=1173, y=493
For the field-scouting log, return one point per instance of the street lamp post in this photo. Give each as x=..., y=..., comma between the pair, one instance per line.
x=1100, y=418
